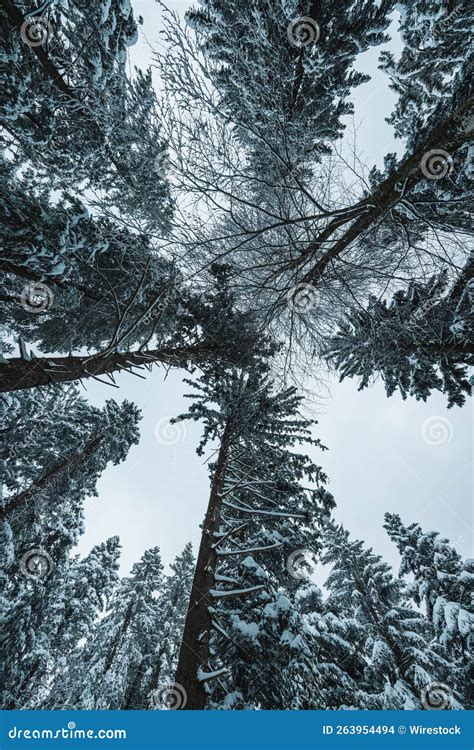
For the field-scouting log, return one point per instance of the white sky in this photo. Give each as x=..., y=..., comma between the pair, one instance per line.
x=377, y=460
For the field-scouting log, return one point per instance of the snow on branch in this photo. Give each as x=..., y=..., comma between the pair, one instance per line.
x=247, y=551
x=216, y=594
x=261, y=512
x=205, y=676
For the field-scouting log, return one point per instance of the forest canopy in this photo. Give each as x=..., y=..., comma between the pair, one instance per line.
x=212, y=214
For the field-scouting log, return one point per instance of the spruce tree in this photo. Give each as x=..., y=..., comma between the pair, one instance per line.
x=285, y=71
x=101, y=674
x=70, y=110
x=420, y=341
x=401, y=660
x=45, y=616
x=443, y=583
x=260, y=510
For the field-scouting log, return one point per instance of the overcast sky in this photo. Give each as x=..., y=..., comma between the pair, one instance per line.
x=384, y=454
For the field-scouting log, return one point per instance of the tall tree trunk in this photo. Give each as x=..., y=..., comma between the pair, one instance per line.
x=194, y=652
x=449, y=136
x=48, y=480
x=19, y=374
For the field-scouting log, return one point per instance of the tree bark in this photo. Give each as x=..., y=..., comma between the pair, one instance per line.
x=194, y=652
x=448, y=136
x=48, y=480
x=19, y=374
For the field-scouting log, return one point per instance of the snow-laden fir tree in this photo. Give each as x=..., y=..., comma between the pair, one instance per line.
x=244, y=641
x=419, y=341
x=443, y=583
x=155, y=676
x=430, y=67
x=99, y=674
x=285, y=70
x=402, y=661
x=337, y=641
x=433, y=114
x=44, y=617
x=70, y=110
x=131, y=308
x=56, y=447
x=127, y=661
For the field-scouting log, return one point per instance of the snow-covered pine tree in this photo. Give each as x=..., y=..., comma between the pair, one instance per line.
x=101, y=674
x=147, y=316
x=50, y=469
x=444, y=583
x=402, y=660
x=242, y=633
x=284, y=69
x=70, y=110
x=337, y=642
x=430, y=67
x=419, y=341
x=43, y=619
x=154, y=676
x=62, y=454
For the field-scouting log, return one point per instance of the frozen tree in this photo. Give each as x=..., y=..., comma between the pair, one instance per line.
x=163, y=320
x=98, y=675
x=242, y=630
x=283, y=68
x=70, y=111
x=155, y=673
x=442, y=582
x=308, y=230
x=63, y=454
x=433, y=32
x=128, y=660
x=419, y=341
x=401, y=660
x=46, y=612
x=56, y=446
